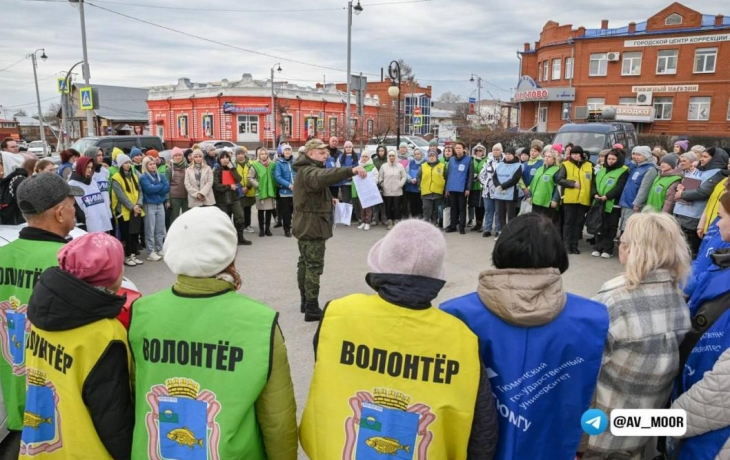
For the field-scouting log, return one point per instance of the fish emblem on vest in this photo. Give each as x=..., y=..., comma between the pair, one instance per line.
x=184, y=437
x=384, y=445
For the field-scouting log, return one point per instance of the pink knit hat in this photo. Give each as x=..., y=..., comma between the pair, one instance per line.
x=413, y=247
x=558, y=148
x=96, y=258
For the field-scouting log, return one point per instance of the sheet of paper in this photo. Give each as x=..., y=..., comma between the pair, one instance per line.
x=367, y=191
x=343, y=213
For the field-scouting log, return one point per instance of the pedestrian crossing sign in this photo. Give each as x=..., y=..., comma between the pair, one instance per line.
x=61, y=85
x=417, y=120
x=87, y=98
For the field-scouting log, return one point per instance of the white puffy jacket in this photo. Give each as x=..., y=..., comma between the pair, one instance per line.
x=708, y=403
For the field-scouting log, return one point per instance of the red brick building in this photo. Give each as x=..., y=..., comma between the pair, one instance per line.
x=240, y=112
x=667, y=75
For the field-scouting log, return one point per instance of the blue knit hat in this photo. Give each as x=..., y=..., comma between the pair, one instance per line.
x=134, y=152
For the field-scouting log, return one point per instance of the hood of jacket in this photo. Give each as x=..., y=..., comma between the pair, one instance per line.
x=523, y=297
x=11, y=162
x=719, y=160
x=409, y=291
x=60, y=302
x=419, y=162
x=303, y=161
x=620, y=162
x=369, y=162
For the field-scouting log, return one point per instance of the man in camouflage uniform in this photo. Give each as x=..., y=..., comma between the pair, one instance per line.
x=312, y=224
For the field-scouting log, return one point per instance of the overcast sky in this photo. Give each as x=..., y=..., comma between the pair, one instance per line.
x=445, y=41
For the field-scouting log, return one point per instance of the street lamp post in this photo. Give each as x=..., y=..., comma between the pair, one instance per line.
x=65, y=109
x=272, y=127
x=394, y=91
x=90, y=125
x=38, y=94
x=358, y=9
x=479, y=92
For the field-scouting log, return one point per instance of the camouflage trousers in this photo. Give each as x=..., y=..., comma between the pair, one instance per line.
x=310, y=267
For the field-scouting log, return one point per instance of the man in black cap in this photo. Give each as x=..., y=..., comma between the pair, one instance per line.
x=47, y=203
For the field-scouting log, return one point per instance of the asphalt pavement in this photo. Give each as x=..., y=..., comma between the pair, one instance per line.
x=268, y=269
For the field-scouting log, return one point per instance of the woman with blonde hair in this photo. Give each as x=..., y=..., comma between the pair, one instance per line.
x=199, y=182
x=648, y=320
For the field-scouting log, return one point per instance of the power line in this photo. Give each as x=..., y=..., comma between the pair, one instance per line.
x=29, y=103
x=230, y=10
x=14, y=64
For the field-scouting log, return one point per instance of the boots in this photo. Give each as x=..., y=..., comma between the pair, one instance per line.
x=477, y=227
x=261, y=229
x=242, y=241
x=267, y=232
x=303, y=305
x=312, y=312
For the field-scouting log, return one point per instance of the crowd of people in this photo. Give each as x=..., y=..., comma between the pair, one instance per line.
x=504, y=372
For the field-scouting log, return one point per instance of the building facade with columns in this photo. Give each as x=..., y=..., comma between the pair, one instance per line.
x=666, y=74
x=241, y=112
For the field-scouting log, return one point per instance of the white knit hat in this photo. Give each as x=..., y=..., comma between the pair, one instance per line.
x=413, y=247
x=200, y=243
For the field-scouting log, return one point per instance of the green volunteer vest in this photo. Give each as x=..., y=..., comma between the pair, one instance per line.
x=543, y=185
x=606, y=181
x=201, y=364
x=265, y=177
x=368, y=168
x=476, y=185
x=21, y=264
x=658, y=191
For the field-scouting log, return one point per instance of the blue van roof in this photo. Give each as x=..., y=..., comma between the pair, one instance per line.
x=595, y=127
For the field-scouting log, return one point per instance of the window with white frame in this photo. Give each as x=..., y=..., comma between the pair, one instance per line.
x=568, y=68
x=556, y=69
x=673, y=19
x=598, y=65
x=666, y=62
x=545, y=70
x=595, y=103
x=565, y=112
x=631, y=64
x=663, y=108
x=705, y=59
x=627, y=101
x=699, y=108
x=539, y=71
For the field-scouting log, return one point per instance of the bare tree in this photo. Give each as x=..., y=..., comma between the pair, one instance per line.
x=406, y=71
x=51, y=115
x=21, y=113
x=450, y=98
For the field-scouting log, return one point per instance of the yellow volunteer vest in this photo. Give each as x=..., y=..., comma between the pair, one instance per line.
x=582, y=175
x=712, y=209
x=133, y=195
x=56, y=423
x=390, y=381
x=243, y=172
x=432, y=178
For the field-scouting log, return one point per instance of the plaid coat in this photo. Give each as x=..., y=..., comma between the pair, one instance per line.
x=641, y=356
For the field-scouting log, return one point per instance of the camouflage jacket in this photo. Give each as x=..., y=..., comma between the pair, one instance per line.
x=312, y=198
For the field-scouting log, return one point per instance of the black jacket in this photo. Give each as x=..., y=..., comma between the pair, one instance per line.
x=61, y=302
x=9, y=211
x=417, y=292
x=223, y=193
x=703, y=192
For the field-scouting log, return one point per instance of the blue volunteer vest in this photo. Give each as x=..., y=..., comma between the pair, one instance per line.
x=504, y=172
x=412, y=171
x=542, y=377
x=703, y=357
x=695, y=208
x=458, y=174
x=528, y=171
x=711, y=242
x=636, y=175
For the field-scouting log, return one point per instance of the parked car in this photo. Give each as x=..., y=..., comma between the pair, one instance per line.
x=40, y=149
x=594, y=137
x=218, y=144
x=391, y=142
x=125, y=143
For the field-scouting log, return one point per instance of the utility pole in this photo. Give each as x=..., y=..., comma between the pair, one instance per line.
x=38, y=94
x=90, y=125
x=358, y=9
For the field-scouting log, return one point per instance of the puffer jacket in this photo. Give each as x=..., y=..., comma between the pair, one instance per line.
x=284, y=176
x=392, y=177
x=313, y=200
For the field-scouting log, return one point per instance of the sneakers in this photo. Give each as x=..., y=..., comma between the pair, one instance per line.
x=137, y=260
x=606, y=255
x=361, y=226
x=249, y=230
x=486, y=234
x=496, y=236
x=596, y=254
x=154, y=257
x=366, y=227
x=161, y=254
x=390, y=225
x=130, y=261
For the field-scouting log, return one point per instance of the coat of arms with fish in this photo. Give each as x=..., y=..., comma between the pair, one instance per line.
x=14, y=327
x=41, y=419
x=386, y=424
x=181, y=423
